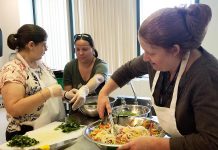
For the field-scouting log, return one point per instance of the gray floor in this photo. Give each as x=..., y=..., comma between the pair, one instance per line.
x=3, y=125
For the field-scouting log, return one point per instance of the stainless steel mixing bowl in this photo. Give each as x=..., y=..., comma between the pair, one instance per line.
x=138, y=121
x=90, y=106
x=124, y=114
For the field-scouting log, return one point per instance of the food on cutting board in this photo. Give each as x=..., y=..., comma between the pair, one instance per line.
x=68, y=126
x=22, y=141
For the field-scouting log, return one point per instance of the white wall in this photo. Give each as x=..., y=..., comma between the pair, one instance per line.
x=210, y=41
x=9, y=22
x=11, y=18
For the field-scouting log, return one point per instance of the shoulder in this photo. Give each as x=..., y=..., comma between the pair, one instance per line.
x=71, y=63
x=203, y=74
x=13, y=71
x=69, y=67
x=14, y=65
x=138, y=61
x=100, y=67
x=206, y=66
x=100, y=62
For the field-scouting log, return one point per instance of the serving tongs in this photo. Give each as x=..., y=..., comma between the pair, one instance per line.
x=113, y=128
x=109, y=118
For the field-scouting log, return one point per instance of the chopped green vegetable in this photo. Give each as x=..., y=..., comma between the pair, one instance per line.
x=22, y=141
x=68, y=126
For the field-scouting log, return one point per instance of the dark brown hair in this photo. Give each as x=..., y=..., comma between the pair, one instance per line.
x=25, y=34
x=88, y=38
x=185, y=26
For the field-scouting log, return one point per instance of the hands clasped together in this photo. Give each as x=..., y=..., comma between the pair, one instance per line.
x=77, y=97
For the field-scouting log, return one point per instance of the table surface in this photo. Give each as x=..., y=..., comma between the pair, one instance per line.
x=83, y=119
x=82, y=143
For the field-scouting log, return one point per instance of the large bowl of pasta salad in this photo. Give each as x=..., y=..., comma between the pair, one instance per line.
x=101, y=133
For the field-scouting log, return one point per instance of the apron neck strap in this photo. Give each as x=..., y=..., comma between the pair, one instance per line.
x=181, y=71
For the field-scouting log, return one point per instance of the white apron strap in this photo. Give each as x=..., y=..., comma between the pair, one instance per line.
x=166, y=116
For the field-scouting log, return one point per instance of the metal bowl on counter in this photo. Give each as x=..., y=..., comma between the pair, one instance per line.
x=90, y=106
x=124, y=114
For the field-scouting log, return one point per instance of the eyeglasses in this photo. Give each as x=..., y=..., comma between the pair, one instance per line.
x=81, y=36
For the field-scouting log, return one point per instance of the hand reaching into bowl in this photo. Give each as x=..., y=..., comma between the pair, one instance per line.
x=103, y=102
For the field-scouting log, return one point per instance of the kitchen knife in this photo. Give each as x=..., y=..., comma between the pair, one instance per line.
x=58, y=145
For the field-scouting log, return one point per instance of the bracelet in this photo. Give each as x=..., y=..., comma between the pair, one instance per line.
x=65, y=96
x=43, y=95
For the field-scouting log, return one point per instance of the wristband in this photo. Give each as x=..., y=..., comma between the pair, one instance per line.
x=65, y=96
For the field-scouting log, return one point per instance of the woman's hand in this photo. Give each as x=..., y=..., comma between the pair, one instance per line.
x=103, y=102
x=147, y=143
x=70, y=94
x=55, y=90
x=80, y=97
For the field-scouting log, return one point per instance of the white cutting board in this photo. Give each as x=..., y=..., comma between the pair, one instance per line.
x=47, y=135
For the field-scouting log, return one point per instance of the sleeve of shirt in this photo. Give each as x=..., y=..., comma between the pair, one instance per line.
x=204, y=103
x=67, y=75
x=134, y=68
x=102, y=68
x=12, y=72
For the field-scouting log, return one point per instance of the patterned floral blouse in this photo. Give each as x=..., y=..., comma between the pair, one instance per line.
x=15, y=71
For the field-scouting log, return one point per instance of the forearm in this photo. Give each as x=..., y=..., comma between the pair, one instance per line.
x=94, y=82
x=161, y=143
x=28, y=104
x=103, y=101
